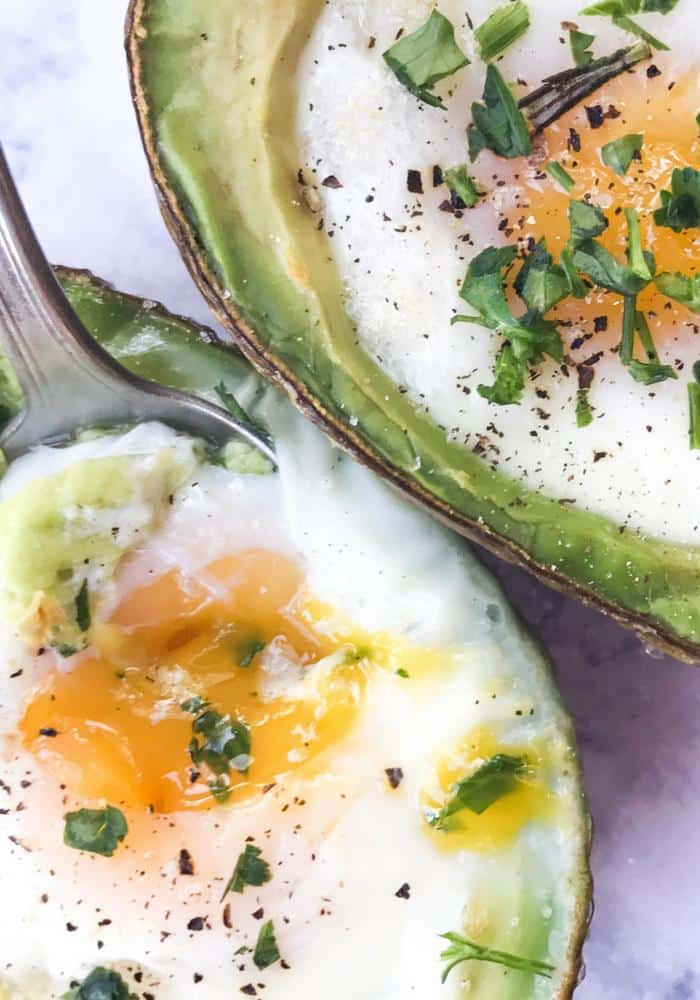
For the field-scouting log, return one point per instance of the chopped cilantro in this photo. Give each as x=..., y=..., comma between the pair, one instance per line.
x=586, y=221
x=251, y=869
x=98, y=831
x=680, y=207
x=496, y=778
x=619, y=11
x=247, y=649
x=219, y=742
x=681, y=288
x=599, y=264
x=584, y=413
x=650, y=372
x=501, y=29
x=101, y=984
x=694, y=402
x=580, y=44
x=428, y=55
x=619, y=153
x=82, y=608
x=561, y=176
x=461, y=949
x=266, y=951
x=459, y=181
x=498, y=123
x=403, y=673
x=541, y=284
x=528, y=338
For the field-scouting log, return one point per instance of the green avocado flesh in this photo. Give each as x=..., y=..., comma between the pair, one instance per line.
x=214, y=88
x=550, y=895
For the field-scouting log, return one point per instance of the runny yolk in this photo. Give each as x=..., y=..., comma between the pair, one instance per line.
x=499, y=824
x=120, y=731
x=666, y=118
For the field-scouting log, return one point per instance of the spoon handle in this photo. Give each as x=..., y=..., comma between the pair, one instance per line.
x=65, y=376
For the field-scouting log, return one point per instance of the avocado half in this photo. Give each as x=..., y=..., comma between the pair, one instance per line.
x=213, y=87
x=172, y=350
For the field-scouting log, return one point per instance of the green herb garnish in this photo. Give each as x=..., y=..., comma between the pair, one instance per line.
x=461, y=949
x=619, y=153
x=501, y=29
x=620, y=10
x=219, y=742
x=650, y=372
x=251, y=869
x=561, y=176
x=528, y=338
x=586, y=221
x=647, y=372
x=101, y=984
x=563, y=91
x=694, y=401
x=459, y=181
x=401, y=672
x=428, y=55
x=584, y=413
x=593, y=259
x=498, y=123
x=82, y=608
x=580, y=44
x=266, y=951
x=541, y=284
x=680, y=207
x=247, y=649
x=98, y=831
x=685, y=290
x=495, y=779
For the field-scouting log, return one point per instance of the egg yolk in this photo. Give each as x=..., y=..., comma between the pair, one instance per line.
x=498, y=825
x=228, y=643
x=666, y=118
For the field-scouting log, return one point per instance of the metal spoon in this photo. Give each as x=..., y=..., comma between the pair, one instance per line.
x=69, y=381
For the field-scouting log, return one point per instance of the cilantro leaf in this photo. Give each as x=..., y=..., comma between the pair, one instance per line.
x=428, y=55
x=251, y=869
x=496, y=778
x=541, y=284
x=462, y=949
x=586, y=221
x=247, y=649
x=230, y=403
x=219, y=742
x=82, y=608
x=528, y=338
x=680, y=207
x=694, y=404
x=683, y=289
x=580, y=44
x=561, y=176
x=619, y=11
x=459, y=181
x=599, y=264
x=498, y=123
x=98, y=831
x=101, y=984
x=650, y=372
x=501, y=29
x=584, y=413
x=266, y=951
x=619, y=153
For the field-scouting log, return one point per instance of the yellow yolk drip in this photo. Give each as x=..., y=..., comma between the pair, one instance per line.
x=501, y=822
x=666, y=118
x=120, y=731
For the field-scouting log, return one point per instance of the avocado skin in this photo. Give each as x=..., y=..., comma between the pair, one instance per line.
x=642, y=582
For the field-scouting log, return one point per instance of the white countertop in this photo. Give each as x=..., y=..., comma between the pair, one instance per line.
x=71, y=138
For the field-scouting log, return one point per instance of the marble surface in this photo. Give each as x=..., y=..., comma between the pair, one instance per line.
x=71, y=138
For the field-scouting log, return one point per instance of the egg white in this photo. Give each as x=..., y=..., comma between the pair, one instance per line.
x=402, y=272
x=339, y=858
